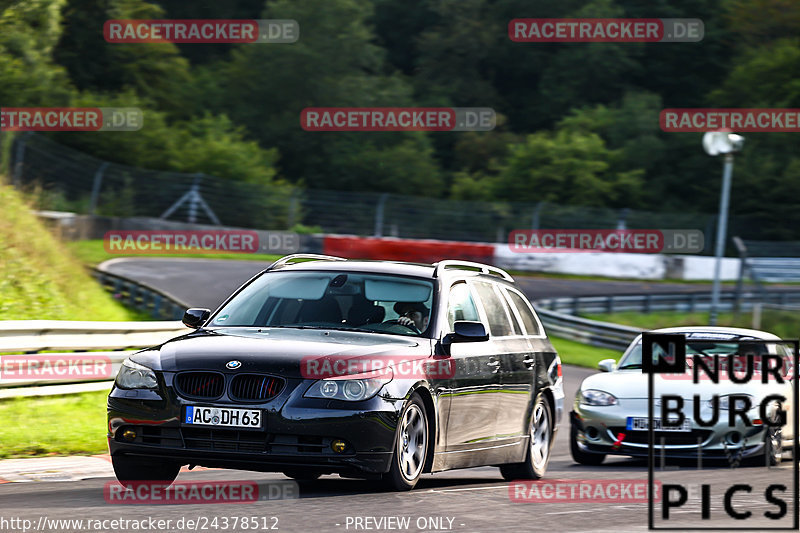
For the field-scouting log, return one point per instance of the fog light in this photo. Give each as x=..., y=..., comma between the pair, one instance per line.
x=734, y=437
x=129, y=435
x=338, y=446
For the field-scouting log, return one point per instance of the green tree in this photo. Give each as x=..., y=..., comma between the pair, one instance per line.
x=566, y=167
x=29, y=31
x=156, y=71
x=335, y=63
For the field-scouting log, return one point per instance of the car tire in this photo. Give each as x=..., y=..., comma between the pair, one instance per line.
x=130, y=470
x=540, y=443
x=773, y=445
x=410, y=447
x=580, y=456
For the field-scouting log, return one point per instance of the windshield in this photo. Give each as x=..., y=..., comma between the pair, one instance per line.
x=332, y=300
x=707, y=349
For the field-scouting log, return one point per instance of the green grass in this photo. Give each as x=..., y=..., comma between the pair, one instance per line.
x=575, y=353
x=92, y=253
x=73, y=424
x=39, y=278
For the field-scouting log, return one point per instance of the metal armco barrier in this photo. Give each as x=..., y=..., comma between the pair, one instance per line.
x=559, y=315
x=141, y=296
x=585, y=331
x=79, y=341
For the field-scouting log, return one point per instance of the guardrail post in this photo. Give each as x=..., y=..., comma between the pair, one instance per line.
x=610, y=304
x=692, y=302
x=647, y=303
x=576, y=303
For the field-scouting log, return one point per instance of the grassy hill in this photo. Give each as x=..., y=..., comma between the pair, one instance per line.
x=39, y=277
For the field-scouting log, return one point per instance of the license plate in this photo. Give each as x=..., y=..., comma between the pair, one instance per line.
x=641, y=424
x=222, y=416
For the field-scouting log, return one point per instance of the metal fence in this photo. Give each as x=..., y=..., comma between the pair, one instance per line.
x=70, y=180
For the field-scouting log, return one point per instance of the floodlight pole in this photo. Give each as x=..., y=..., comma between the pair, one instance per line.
x=722, y=227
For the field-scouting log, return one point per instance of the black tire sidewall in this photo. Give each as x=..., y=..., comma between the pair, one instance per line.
x=394, y=479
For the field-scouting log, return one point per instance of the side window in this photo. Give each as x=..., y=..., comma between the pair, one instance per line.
x=528, y=319
x=460, y=305
x=497, y=312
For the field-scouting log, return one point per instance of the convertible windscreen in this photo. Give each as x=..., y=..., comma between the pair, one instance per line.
x=340, y=300
x=707, y=350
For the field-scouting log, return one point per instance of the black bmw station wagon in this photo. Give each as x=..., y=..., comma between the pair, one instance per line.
x=370, y=369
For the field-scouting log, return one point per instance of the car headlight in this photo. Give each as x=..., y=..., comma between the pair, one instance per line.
x=135, y=376
x=725, y=401
x=597, y=397
x=352, y=390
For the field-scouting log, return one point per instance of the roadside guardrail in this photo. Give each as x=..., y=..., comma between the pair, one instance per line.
x=141, y=296
x=78, y=342
x=560, y=315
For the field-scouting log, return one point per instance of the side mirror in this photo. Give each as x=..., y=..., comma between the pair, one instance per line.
x=194, y=317
x=607, y=365
x=469, y=331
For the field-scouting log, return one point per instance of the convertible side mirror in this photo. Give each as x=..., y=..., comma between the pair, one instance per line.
x=607, y=365
x=194, y=317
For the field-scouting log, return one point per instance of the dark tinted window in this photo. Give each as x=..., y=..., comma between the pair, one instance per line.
x=496, y=310
x=531, y=325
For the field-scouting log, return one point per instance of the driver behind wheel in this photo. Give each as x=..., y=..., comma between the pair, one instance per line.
x=412, y=314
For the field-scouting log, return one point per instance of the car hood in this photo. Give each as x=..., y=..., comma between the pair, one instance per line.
x=274, y=350
x=633, y=384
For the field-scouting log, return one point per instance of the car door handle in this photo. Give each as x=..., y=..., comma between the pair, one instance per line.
x=529, y=362
x=495, y=363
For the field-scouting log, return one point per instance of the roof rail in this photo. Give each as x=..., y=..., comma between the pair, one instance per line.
x=484, y=269
x=283, y=261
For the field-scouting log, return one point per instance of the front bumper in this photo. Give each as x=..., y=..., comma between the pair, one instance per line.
x=603, y=430
x=296, y=434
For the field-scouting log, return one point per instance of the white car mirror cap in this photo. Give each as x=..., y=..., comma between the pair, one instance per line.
x=607, y=365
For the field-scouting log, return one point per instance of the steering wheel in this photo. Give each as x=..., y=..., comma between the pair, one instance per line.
x=396, y=322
